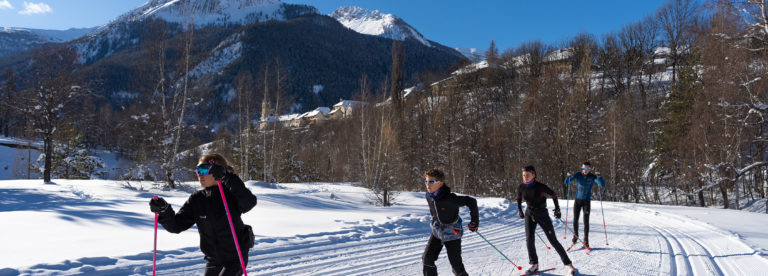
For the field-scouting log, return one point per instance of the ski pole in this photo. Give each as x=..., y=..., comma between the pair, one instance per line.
x=603, y=212
x=497, y=250
x=154, y=251
x=561, y=220
x=568, y=195
x=231, y=227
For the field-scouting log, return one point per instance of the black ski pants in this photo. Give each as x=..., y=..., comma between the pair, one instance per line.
x=541, y=217
x=579, y=205
x=432, y=251
x=225, y=269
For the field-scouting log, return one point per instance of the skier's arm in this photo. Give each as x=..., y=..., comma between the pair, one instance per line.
x=599, y=180
x=472, y=204
x=245, y=199
x=519, y=200
x=552, y=193
x=178, y=222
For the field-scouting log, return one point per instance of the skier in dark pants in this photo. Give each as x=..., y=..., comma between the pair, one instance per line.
x=584, y=179
x=446, y=223
x=206, y=209
x=535, y=195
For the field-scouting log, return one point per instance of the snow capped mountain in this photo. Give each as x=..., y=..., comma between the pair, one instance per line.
x=374, y=22
x=51, y=35
x=14, y=40
x=209, y=12
x=473, y=54
x=127, y=28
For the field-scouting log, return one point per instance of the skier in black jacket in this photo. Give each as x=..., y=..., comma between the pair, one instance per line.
x=446, y=223
x=206, y=209
x=535, y=195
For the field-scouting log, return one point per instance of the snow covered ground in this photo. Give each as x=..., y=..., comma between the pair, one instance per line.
x=18, y=151
x=98, y=227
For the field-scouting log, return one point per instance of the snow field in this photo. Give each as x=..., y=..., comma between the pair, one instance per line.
x=98, y=227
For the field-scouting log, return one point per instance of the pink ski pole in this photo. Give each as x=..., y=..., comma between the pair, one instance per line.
x=154, y=251
x=601, y=210
x=568, y=195
x=231, y=226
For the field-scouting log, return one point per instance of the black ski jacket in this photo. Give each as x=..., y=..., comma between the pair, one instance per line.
x=445, y=206
x=206, y=209
x=535, y=196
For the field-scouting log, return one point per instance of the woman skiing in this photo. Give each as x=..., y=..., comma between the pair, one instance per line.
x=206, y=209
x=535, y=195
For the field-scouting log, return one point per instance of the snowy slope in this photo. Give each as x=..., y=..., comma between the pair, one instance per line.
x=208, y=12
x=105, y=228
x=374, y=22
x=125, y=30
x=51, y=35
x=473, y=54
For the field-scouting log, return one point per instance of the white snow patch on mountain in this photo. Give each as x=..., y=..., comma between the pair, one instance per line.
x=473, y=54
x=209, y=12
x=374, y=22
x=224, y=54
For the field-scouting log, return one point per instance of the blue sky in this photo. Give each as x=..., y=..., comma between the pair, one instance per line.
x=452, y=23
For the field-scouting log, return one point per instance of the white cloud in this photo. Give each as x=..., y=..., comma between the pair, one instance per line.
x=35, y=8
x=5, y=5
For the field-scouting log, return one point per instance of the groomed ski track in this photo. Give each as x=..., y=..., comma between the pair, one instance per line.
x=642, y=241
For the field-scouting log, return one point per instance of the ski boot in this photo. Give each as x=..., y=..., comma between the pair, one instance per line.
x=570, y=270
x=533, y=269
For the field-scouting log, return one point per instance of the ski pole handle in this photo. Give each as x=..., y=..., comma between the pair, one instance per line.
x=154, y=250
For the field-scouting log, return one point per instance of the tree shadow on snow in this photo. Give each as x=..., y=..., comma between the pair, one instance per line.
x=71, y=209
x=303, y=202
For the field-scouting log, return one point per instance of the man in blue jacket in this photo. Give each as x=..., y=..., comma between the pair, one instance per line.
x=584, y=179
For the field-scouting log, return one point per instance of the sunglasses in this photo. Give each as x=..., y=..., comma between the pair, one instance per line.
x=203, y=169
x=585, y=169
x=431, y=182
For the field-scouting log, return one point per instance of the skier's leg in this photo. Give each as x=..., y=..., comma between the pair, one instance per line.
x=577, y=205
x=231, y=269
x=431, y=251
x=587, y=211
x=213, y=269
x=530, y=227
x=546, y=224
x=453, y=248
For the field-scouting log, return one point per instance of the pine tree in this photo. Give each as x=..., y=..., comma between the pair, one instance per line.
x=492, y=55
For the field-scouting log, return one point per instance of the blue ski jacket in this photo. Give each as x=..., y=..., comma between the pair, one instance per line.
x=584, y=184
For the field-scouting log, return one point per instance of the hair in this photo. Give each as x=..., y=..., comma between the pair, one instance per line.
x=586, y=163
x=529, y=168
x=435, y=173
x=218, y=159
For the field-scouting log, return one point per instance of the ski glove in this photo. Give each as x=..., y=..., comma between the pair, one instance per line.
x=520, y=213
x=158, y=205
x=218, y=171
x=557, y=213
x=473, y=225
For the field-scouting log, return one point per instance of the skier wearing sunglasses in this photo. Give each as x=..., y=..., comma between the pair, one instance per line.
x=446, y=223
x=205, y=209
x=584, y=179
